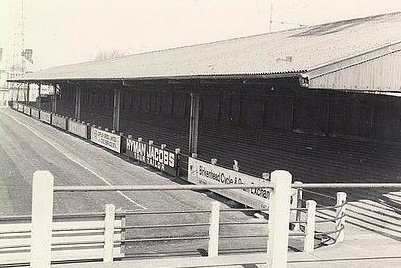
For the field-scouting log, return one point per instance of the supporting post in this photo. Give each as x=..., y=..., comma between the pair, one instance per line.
x=296, y=203
x=77, y=111
x=42, y=216
x=54, y=104
x=340, y=211
x=109, y=232
x=309, y=243
x=39, y=104
x=279, y=217
x=27, y=94
x=194, y=124
x=213, y=249
x=116, y=109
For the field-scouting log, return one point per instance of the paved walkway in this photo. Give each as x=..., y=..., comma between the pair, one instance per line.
x=369, y=250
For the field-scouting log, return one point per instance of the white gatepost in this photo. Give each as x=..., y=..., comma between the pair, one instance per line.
x=309, y=243
x=42, y=218
x=279, y=218
x=109, y=232
x=340, y=212
x=213, y=249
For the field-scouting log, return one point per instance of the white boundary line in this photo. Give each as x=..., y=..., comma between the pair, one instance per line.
x=75, y=161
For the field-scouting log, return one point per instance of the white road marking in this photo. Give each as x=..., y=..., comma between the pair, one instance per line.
x=75, y=161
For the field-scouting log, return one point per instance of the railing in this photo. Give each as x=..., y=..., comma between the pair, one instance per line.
x=75, y=237
x=42, y=207
x=314, y=215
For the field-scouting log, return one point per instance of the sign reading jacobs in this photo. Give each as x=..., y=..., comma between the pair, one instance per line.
x=153, y=156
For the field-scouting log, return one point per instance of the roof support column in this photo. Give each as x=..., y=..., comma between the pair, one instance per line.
x=54, y=99
x=77, y=111
x=116, y=109
x=27, y=94
x=194, y=124
x=39, y=104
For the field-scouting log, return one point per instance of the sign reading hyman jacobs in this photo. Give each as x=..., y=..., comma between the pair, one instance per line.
x=109, y=140
x=158, y=158
x=200, y=172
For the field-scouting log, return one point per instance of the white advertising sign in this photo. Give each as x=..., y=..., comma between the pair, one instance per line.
x=78, y=128
x=109, y=140
x=45, y=117
x=35, y=113
x=15, y=105
x=20, y=107
x=27, y=110
x=200, y=172
x=59, y=121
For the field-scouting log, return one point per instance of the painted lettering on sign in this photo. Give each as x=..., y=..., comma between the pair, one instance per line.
x=45, y=117
x=27, y=110
x=109, y=140
x=35, y=113
x=78, y=128
x=151, y=155
x=200, y=172
x=59, y=121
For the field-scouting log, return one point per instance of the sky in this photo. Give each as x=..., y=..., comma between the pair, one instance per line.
x=69, y=31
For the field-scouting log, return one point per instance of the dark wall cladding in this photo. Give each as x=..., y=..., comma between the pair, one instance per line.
x=310, y=114
x=284, y=107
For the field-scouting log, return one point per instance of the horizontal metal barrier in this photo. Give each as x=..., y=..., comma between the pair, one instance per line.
x=158, y=187
x=42, y=219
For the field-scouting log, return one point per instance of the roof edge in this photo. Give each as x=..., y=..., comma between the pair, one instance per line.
x=299, y=73
x=347, y=62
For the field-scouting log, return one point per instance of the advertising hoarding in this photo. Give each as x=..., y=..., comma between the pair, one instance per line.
x=106, y=139
x=59, y=121
x=161, y=159
x=78, y=128
x=200, y=172
x=35, y=113
x=27, y=110
x=45, y=117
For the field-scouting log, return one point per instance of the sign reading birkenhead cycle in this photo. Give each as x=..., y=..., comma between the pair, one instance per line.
x=151, y=155
x=109, y=140
x=200, y=172
x=35, y=113
x=78, y=128
x=59, y=121
x=45, y=117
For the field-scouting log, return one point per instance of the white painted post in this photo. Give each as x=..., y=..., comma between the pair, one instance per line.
x=42, y=217
x=296, y=196
x=309, y=243
x=109, y=232
x=213, y=249
x=340, y=211
x=213, y=161
x=279, y=218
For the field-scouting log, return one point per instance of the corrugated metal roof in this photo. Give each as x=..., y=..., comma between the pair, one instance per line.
x=292, y=51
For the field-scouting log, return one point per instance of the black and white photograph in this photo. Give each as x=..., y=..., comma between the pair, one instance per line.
x=200, y=133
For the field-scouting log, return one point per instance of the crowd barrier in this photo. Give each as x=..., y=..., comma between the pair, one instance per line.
x=42, y=245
